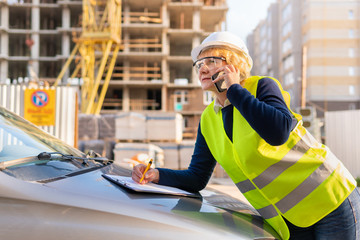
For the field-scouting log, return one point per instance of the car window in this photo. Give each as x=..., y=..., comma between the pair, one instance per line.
x=20, y=139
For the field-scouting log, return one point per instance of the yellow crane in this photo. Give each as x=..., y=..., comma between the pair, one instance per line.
x=98, y=46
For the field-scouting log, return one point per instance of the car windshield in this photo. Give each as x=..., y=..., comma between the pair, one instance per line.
x=20, y=139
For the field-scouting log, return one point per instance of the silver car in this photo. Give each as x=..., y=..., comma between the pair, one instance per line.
x=50, y=190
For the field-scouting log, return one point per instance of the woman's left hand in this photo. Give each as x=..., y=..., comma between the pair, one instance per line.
x=231, y=75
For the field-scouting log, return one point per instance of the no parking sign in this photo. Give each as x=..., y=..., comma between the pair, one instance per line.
x=39, y=106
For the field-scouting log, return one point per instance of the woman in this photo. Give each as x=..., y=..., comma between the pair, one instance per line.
x=298, y=186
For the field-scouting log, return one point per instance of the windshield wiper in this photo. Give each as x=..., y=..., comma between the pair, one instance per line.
x=84, y=160
x=49, y=156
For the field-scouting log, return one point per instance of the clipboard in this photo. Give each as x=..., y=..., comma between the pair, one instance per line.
x=128, y=183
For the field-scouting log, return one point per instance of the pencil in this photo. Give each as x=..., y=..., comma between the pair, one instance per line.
x=146, y=169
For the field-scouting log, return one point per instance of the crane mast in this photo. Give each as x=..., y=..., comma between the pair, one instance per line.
x=96, y=50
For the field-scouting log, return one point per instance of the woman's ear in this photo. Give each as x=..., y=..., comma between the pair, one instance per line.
x=238, y=72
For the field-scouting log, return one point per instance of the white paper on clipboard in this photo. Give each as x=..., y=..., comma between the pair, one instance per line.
x=127, y=182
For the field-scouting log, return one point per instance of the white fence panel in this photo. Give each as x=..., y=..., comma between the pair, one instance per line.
x=342, y=131
x=12, y=98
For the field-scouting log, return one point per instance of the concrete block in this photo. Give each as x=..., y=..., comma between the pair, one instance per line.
x=97, y=146
x=88, y=127
x=186, y=150
x=171, y=154
x=107, y=126
x=124, y=152
x=164, y=126
x=130, y=126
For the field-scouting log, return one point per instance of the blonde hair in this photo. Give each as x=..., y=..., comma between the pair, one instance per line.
x=237, y=59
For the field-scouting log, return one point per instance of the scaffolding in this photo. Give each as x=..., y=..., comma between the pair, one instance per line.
x=95, y=51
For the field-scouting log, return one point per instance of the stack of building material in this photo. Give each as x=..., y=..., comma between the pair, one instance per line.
x=97, y=146
x=103, y=147
x=171, y=154
x=161, y=129
x=97, y=133
x=186, y=150
x=88, y=127
x=107, y=126
x=124, y=152
x=130, y=126
x=124, y=135
x=164, y=126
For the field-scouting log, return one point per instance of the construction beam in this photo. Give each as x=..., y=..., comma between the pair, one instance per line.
x=107, y=80
x=90, y=103
x=67, y=64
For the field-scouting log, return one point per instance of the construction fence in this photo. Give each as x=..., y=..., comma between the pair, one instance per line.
x=342, y=131
x=64, y=127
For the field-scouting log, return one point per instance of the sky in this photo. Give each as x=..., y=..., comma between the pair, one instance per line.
x=244, y=15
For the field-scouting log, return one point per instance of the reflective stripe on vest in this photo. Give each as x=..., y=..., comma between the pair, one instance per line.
x=301, y=191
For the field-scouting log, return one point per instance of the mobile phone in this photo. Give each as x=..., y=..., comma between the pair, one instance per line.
x=220, y=85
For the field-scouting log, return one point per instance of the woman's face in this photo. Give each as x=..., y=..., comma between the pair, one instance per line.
x=206, y=67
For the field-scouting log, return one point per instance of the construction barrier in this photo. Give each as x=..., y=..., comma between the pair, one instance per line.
x=342, y=131
x=12, y=97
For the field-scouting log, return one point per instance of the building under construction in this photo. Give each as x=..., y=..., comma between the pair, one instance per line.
x=153, y=69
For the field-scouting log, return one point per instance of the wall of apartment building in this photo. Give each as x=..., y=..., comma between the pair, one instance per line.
x=291, y=49
x=275, y=45
x=266, y=44
x=250, y=43
x=189, y=102
x=332, y=36
x=274, y=36
x=330, y=32
x=253, y=42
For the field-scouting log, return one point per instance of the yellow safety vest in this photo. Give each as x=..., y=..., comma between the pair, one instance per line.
x=301, y=180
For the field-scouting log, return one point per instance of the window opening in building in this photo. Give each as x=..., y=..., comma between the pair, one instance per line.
x=351, y=33
x=181, y=98
x=207, y=97
x=286, y=12
x=17, y=69
x=154, y=99
x=351, y=71
x=351, y=90
x=351, y=14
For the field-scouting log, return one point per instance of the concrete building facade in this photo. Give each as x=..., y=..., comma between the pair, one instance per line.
x=278, y=48
x=263, y=44
x=36, y=33
x=331, y=35
x=291, y=49
x=153, y=71
x=318, y=52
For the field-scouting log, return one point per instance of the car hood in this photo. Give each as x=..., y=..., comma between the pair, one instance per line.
x=129, y=214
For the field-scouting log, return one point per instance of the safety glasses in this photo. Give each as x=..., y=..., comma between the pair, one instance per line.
x=209, y=62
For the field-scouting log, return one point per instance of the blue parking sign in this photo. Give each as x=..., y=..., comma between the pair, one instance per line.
x=40, y=98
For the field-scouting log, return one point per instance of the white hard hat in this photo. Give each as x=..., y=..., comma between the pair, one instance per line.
x=223, y=40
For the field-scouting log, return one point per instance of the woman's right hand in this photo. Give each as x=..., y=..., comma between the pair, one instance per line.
x=152, y=175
